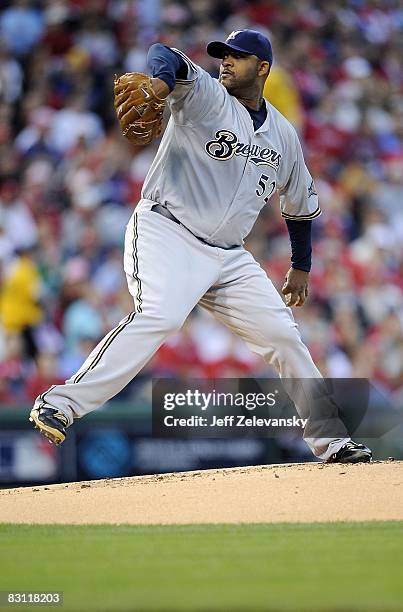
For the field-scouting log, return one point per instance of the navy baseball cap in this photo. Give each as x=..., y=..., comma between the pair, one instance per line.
x=244, y=41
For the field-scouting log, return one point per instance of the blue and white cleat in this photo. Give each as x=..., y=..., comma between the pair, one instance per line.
x=51, y=423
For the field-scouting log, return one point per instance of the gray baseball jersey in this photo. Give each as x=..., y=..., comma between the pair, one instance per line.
x=217, y=172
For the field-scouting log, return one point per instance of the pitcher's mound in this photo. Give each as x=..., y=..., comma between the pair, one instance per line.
x=307, y=492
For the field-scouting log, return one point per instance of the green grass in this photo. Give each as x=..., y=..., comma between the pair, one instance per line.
x=318, y=567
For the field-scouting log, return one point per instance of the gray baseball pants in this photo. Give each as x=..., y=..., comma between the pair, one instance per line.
x=168, y=272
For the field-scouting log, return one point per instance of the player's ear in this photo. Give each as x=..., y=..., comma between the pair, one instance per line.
x=264, y=69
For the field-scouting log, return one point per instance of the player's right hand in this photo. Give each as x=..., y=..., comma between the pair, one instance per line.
x=139, y=108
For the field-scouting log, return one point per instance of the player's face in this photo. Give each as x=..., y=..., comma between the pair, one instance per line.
x=239, y=71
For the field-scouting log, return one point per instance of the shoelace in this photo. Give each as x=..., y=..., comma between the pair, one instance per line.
x=62, y=417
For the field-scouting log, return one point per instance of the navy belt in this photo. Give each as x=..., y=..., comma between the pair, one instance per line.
x=162, y=210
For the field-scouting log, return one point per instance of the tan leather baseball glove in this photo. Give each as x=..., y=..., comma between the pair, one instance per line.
x=138, y=108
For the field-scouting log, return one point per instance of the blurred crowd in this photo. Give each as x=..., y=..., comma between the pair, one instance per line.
x=69, y=181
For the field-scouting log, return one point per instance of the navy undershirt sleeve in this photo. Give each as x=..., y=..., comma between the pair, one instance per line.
x=301, y=245
x=165, y=64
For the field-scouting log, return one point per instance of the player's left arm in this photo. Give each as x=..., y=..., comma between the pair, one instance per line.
x=299, y=205
x=295, y=287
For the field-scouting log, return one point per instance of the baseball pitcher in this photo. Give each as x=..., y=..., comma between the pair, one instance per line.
x=225, y=151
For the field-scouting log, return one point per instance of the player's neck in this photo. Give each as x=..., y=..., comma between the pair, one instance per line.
x=251, y=99
x=253, y=104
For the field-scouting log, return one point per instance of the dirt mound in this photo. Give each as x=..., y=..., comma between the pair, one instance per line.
x=263, y=494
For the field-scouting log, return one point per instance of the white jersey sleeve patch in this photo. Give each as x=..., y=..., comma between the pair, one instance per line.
x=298, y=197
x=195, y=97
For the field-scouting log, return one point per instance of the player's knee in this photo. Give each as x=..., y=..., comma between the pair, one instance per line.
x=175, y=322
x=284, y=336
x=277, y=342
x=171, y=322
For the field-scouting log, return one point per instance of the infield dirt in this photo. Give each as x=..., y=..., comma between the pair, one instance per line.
x=310, y=492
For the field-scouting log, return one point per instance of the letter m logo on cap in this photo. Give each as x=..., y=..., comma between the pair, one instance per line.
x=233, y=34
